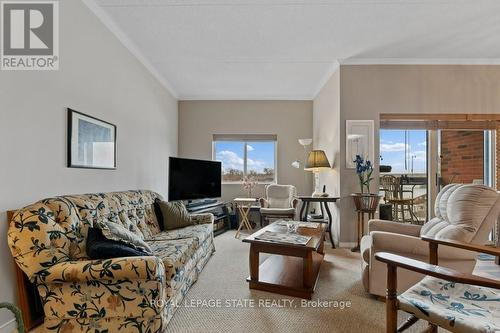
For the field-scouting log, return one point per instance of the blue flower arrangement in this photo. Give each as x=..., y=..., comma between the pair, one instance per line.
x=364, y=170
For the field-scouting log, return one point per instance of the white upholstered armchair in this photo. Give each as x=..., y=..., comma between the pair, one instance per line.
x=280, y=202
x=465, y=213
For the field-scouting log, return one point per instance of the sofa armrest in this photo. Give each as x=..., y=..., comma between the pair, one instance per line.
x=410, y=246
x=206, y=218
x=132, y=268
x=394, y=227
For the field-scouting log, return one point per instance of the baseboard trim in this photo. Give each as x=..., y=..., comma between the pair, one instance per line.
x=10, y=322
x=348, y=244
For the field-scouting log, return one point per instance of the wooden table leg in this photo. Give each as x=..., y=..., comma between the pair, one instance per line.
x=244, y=218
x=254, y=263
x=362, y=233
x=321, y=248
x=358, y=229
x=246, y=221
x=330, y=222
x=308, y=270
x=302, y=208
x=391, y=311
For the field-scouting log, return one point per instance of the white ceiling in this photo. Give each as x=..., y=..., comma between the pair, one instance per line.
x=286, y=49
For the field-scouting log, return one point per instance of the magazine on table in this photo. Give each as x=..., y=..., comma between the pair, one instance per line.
x=287, y=238
x=301, y=224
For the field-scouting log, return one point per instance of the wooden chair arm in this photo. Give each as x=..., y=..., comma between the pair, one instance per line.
x=435, y=271
x=461, y=245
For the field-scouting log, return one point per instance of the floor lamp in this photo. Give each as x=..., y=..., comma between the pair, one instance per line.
x=296, y=164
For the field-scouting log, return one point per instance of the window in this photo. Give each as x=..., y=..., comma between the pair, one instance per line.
x=253, y=156
x=404, y=150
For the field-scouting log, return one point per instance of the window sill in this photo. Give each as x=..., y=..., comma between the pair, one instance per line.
x=241, y=183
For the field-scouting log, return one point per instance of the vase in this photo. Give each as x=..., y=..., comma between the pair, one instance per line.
x=366, y=202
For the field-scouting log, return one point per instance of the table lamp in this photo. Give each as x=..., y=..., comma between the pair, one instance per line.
x=317, y=161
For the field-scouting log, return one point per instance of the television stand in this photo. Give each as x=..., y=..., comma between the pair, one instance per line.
x=195, y=204
x=218, y=208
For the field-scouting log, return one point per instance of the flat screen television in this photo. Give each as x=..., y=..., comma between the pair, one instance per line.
x=190, y=179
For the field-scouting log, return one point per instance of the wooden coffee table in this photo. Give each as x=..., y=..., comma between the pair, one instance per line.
x=291, y=269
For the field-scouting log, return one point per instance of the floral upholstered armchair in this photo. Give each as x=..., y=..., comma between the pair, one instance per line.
x=458, y=302
x=133, y=294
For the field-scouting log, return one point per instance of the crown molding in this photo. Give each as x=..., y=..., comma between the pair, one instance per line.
x=328, y=74
x=129, y=45
x=420, y=61
x=243, y=97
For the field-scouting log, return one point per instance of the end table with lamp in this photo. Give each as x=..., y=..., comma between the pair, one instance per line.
x=317, y=161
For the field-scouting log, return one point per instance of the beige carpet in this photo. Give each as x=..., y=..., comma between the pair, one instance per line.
x=223, y=280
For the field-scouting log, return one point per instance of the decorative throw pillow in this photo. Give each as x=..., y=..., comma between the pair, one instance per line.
x=117, y=232
x=174, y=215
x=99, y=247
x=159, y=215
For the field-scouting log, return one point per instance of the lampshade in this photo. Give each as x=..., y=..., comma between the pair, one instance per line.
x=317, y=160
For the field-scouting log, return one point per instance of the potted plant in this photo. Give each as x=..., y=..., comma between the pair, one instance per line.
x=248, y=184
x=365, y=201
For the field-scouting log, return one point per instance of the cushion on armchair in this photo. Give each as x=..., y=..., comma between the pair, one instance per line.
x=454, y=306
x=277, y=210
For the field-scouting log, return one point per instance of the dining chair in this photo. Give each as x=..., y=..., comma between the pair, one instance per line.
x=394, y=194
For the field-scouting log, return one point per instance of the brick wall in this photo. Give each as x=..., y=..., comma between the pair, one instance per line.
x=462, y=155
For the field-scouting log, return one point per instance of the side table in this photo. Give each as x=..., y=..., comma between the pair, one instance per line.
x=322, y=200
x=244, y=205
x=361, y=224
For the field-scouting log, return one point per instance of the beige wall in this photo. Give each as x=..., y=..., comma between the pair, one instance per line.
x=326, y=135
x=289, y=120
x=97, y=76
x=368, y=90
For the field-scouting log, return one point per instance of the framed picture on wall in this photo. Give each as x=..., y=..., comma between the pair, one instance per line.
x=359, y=141
x=91, y=142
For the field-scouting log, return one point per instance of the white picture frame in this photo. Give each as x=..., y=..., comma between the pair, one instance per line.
x=359, y=141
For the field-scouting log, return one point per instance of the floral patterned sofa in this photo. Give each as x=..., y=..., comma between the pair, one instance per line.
x=135, y=294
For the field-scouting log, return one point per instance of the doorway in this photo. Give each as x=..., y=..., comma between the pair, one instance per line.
x=404, y=173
